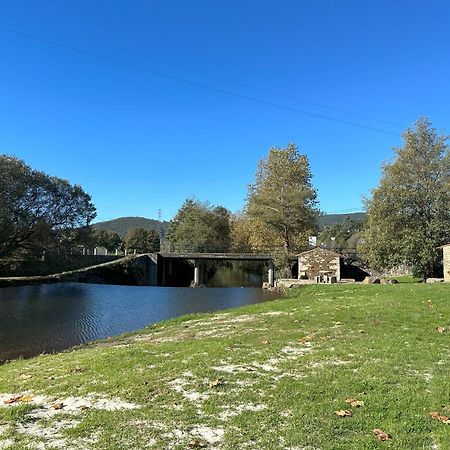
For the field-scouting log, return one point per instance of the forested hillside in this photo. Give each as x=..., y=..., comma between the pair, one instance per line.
x=332, y=219
x=123, y=224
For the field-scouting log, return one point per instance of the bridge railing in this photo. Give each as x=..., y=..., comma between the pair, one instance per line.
x=168, y=247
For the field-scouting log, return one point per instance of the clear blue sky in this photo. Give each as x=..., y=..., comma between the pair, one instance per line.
x=138, y=141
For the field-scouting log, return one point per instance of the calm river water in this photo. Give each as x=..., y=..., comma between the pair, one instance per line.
x=48, y=318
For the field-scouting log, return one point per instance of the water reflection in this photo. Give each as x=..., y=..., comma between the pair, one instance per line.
x=47, y=318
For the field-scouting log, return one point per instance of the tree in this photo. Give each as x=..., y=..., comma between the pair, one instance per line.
x=281, y=203
x=142, y=240
x=342, y=236
x=240, y=234
x=200, y=227
x=39, y=211
x=408, y=215
x=107, y=239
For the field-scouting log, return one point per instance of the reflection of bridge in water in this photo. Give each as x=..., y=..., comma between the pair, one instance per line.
x=165, y=267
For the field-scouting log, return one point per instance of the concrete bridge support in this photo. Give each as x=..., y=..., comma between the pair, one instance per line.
x=270, y=275
x=199, y=272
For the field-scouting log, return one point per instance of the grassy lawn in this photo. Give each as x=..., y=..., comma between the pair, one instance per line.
x=268, y=376
x=408, y=279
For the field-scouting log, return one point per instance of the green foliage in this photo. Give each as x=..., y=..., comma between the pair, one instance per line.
x=142, y=240
x=200, y=227
x=409, y=213
x=39, y=211
x=342, y=236
x=107, y=239
x=327, y=220
x=281, y=205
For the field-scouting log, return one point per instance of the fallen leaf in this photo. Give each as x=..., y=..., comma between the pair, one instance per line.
x=441, y=418
x=58, y=405
x=196, y=443
x=354, y=403
x=307, y=338
x=344, y=413
x=216, y=383
x=381, y=435
x=11, y=400
x=77, y=369
x=265, y=342
x=25, y=398
x=441, y=329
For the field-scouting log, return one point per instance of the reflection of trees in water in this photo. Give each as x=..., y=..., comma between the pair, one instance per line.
x=236, y=273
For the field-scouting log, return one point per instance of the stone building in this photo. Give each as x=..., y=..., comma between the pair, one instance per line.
x=446, y=250
x=321, y=263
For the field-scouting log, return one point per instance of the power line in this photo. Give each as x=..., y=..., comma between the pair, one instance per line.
x=208, y=74
x=194, y=83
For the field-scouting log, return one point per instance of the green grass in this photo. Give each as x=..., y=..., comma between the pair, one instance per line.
x=408, y=279
x=282, y=367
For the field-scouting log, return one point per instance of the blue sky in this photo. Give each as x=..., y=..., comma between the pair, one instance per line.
x=138, y=141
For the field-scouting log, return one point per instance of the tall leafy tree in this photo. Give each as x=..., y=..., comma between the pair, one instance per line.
x=408, y=215
x=142, y=240
x=38, y=210
x=282, y=202
x=107, y=239
x=200, y=227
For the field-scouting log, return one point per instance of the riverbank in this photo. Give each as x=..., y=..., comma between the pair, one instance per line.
x=266, y=376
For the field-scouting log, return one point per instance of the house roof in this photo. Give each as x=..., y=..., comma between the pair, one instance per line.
x=323, y=250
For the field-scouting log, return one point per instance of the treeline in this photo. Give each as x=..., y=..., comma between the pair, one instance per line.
x=138, y=240
x=407, y=215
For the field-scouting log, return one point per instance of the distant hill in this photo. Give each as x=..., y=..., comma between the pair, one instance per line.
x=123, y=224
x=332, y=219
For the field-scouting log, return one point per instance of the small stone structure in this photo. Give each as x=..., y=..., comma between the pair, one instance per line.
x=446, y=250
x=320, y=265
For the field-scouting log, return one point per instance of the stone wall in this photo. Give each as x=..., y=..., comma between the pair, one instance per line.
x=397, y=271
x=447, y=263
x=311, y=263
